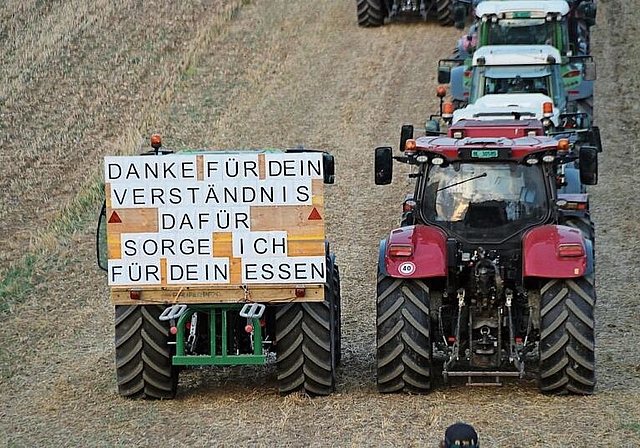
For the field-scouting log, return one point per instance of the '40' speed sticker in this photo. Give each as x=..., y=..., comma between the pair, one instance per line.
x=407, y=268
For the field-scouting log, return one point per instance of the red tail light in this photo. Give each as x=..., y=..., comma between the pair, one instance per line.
x=400, y=250
x=572, y=250
x=571, y=74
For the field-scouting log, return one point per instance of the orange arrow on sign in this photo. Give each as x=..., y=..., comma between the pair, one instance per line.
x=115, y=218
x=314, y=215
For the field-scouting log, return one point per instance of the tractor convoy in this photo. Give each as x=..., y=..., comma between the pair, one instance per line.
x=491, y=274
x=219, y=258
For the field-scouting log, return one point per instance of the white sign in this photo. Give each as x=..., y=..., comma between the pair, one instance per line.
x=182, y=219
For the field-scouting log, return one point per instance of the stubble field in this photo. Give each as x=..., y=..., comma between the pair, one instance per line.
x=80, y=80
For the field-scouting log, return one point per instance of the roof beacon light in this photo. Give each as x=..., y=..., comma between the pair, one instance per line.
x=447, y=110
x=547, y=109
x=156, y=141
x=441, y=91
x=563, y=144
x=410, y=145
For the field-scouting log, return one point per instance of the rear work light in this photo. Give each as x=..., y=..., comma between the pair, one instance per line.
x=571, y=250
x=400, y=250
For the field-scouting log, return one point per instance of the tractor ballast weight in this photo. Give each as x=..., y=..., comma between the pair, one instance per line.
x=203, y=272
x=495, y=271
x=372, y=13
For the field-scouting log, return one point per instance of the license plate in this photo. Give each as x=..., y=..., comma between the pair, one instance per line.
x=484, y=153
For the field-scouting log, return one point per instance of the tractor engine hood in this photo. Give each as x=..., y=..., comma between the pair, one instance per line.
x=493, y=106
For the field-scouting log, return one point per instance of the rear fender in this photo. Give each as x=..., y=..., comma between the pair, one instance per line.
x=428, y=253
x=541, y=253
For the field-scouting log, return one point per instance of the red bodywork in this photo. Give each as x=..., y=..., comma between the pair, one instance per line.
x=429, y=257
x=540, y=252
x=495, y=128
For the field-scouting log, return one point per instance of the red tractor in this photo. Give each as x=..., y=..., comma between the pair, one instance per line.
x=491, y=274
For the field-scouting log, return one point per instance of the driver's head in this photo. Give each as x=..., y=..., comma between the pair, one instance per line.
x=460, y=435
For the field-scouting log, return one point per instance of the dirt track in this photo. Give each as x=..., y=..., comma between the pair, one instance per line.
x=237, y=74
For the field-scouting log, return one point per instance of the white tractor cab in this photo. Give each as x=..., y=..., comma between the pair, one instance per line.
x=523, y=22
x=507, y=81
x=557, y=23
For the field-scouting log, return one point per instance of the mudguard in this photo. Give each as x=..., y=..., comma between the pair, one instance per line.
x=429, y=257
x=541, y=258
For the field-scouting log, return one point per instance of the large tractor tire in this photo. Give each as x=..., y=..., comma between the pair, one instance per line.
x=143, y=355
x=337, y=316
x=444, y=11
x=371, y=12
x=307, y=345
x=567, y=336
x=403, y=336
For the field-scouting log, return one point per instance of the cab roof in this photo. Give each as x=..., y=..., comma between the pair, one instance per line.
x=536, y=9
x=490, y=55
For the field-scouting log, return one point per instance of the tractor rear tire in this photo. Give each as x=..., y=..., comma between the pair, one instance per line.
x=337, y=316
x=307, y=345
x=567, y=336
x=143, y=355
x=444, y=10
x=371, y=13
x=403, y=340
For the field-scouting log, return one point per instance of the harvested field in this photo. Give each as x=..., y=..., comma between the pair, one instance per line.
x=80, y=80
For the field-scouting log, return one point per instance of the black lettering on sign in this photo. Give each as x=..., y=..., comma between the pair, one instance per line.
x=294, y=168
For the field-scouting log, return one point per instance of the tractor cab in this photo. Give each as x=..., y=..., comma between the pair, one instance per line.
x=564, y=25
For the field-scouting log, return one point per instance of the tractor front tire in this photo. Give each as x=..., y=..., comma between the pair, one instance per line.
x=306, y=341
x=143, y=355
x=403, y=340
x=567, y=336
x=371, y=13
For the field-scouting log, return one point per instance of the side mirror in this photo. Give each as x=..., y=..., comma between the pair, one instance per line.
x=594, y=138
x=444, y=74
x=432, y=128
x=101, y=238
x=328, y=168
x=383, y=165
x=405, y=134
x=588, y=165
x=589, y=71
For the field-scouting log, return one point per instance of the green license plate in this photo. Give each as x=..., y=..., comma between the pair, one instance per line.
x=521, y=15
x=484, y=153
